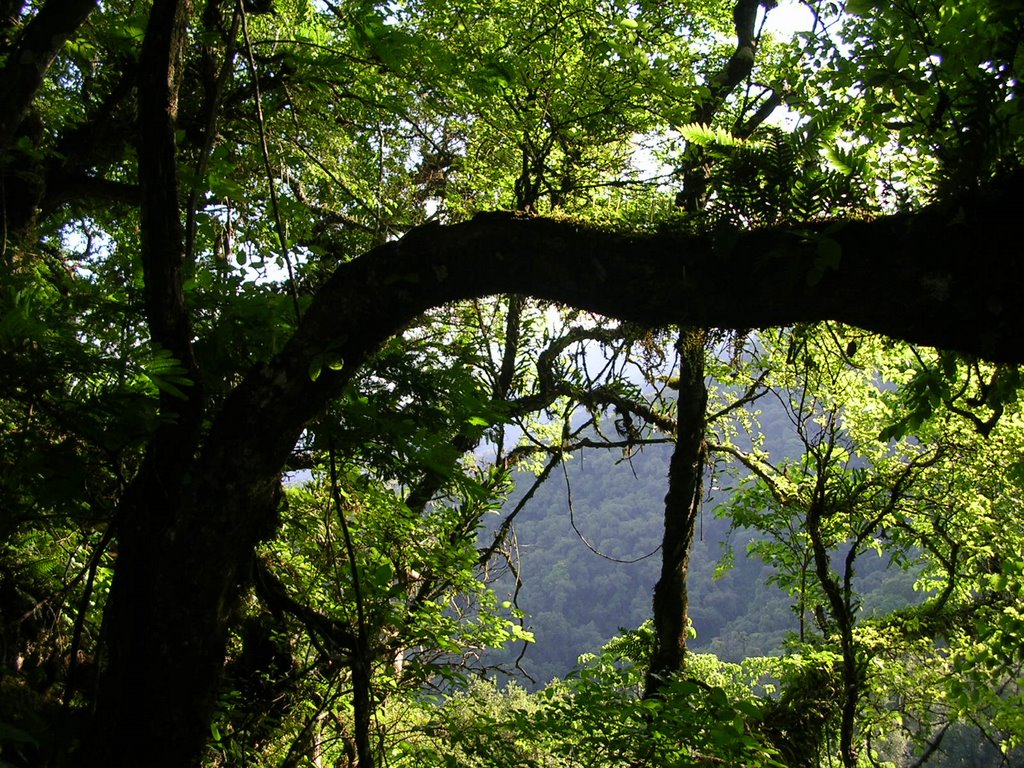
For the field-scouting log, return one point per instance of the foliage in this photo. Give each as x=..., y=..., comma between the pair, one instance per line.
x=341, y=600
x=597, y=717
x=922, y=502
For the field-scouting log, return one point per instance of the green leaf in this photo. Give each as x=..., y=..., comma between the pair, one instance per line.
x=12, y=734
x=1015, y=471
x=520, y=634
x=167, y=374
x=860, y=7
x=382, y=575
x=845, y=162
x=918, y=87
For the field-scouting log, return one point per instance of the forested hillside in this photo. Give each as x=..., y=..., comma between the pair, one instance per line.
x=476, y=271
x=587, y=571
x=585, y=567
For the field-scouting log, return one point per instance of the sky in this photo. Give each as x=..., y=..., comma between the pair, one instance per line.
x=789, y=18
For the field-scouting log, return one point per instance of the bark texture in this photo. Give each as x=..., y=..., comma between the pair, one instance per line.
x=170, y=605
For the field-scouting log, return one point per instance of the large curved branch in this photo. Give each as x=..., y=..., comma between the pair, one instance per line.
x=941, y=276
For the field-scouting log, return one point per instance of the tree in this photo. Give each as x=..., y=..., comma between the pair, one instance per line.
x=863, y=486
x=292, y=135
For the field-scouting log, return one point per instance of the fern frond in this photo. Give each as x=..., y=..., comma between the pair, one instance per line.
x=705, y=136
x=846, y=162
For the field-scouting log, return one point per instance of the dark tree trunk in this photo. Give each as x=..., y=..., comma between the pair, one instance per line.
x=682, y=506
x=174, y=596
x=178, y=572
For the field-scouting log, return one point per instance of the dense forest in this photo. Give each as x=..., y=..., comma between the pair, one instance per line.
x=310, y=309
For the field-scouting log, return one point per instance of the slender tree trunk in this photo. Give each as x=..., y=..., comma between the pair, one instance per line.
x=686, y=470
x=682, y=505
x=839, y=606
x=362, y=705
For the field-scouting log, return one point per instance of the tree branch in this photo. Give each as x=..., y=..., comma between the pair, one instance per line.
x=27, y=64
x=906, y=276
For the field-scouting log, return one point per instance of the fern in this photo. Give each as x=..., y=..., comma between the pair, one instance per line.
x=846, y=161
x=707, y=136
x=167, y=373
x=782, y=176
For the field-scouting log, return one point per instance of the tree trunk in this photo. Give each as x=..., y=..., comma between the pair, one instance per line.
x=682, y=505
x=175, y=593
x=184, y=545
x=842, y=613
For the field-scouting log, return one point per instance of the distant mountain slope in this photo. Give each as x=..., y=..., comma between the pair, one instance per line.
x=575, y=600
